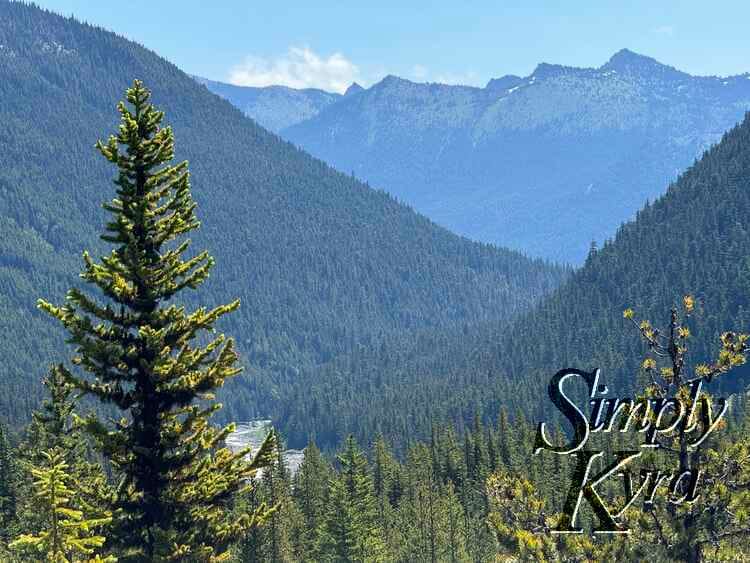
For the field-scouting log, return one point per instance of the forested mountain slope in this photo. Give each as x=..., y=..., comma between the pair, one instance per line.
x=693, y=240
x=320, y=261
x=545, y=163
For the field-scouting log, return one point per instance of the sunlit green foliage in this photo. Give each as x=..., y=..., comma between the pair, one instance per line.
x=69, y=535
x=156, y=363
x=322, y=263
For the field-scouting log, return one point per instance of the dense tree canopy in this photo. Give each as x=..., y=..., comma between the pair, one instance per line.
x=419, y=357
x=321, y=262
x=693, y=240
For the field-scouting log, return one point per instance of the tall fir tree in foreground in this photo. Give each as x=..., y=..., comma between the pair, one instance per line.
x=156, y=362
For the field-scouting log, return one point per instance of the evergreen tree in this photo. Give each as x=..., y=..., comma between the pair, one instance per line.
x=7, y=485
x=57, y=426
x=335, y=539
x=175, y=480
x=479, y=457
x=276, y=542
x=419, y=516
x=280, y=525
x=505, y=439
x=384, y=471
x=310, y=492
x=519, y=519
x=719, y=518
x=455, y=539
x=251, y=547
x=54, y=428
x=350, y=530
x=68, y=534
x=368, y=544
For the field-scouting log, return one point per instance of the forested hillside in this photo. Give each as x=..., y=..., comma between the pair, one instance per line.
x=411, y=366
x=694, y=240
x=545, y=163
x=321, y=262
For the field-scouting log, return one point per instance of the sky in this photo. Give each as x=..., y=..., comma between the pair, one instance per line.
x=330, y=44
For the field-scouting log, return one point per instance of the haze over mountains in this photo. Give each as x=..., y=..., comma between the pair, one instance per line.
x=358, y=314
x=693, y=240
x=545, y=164
x=395, y=371
x=273, y=107
x=321, y=262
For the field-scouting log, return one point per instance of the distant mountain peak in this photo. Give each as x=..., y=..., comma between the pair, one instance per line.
x=504, y=82
x=353, y=89
x=390, y=84
x=626, y=60
x=392, y=79
x=547, y=70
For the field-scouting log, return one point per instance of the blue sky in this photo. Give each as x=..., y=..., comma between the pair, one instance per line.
x=328, y=44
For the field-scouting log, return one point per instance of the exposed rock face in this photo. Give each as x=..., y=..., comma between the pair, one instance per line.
x=545, y=163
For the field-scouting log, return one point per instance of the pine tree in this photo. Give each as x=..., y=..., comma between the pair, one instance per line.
x=719, y=517
x=335, y=536
x=504, y=439
x=285, y=521
x=57, y=426
x=251, y=547
x=452, y=467
x=368, y=531
x=176, y=482
x=54, y=428
x=310, y=492
x=350, y=530
x=455, y=539
x=69, y=534
x=276, y=487
x=7, y=485
x=479, y=457
x=274, y=542
x=519, y=519
x=383, y=472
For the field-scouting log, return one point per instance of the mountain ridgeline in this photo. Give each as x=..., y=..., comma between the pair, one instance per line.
x=357, y=313
x=544, y=163
x=693, y=240
x=418, y=357
x=321, y=262
x=273, y=107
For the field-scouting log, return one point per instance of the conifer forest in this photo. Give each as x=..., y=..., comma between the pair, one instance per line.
x=305, y=309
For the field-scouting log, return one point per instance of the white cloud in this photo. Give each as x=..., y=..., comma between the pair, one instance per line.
x=663, y=30
x=300, y=67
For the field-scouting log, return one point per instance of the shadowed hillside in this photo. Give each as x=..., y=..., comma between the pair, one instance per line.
x=321, y=262
x=694, y=240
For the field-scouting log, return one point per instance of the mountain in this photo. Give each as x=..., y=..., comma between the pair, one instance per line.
x=545, y=163
x=322, y=263
x=353, y=89
x=693, y=240
x=274, y=107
